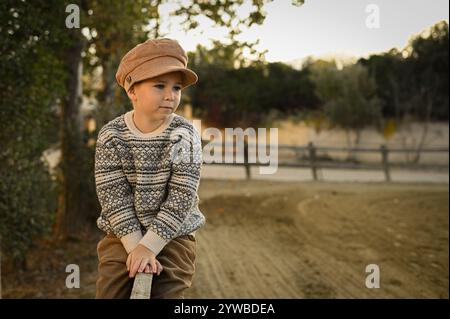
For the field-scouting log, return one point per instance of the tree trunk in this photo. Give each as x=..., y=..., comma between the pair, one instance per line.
x=429, y=108
x=356, y=144
x=68, y=214
x=107, y=108
x=0, y=268
x=349, y=144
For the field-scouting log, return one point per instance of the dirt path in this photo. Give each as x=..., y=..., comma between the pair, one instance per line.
x=314, y=240
x=268, y=239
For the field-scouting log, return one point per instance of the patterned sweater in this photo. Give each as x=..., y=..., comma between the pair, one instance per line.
x=147, y=183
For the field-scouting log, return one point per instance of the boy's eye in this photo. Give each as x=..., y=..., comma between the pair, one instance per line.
x=162, y=86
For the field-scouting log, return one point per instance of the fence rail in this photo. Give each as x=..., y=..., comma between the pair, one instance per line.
x=315, y=163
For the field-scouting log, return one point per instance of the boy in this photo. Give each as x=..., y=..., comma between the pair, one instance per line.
x=147, y=173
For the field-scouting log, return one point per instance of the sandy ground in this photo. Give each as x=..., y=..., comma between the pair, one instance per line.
x=311, y=240
x=268, y=239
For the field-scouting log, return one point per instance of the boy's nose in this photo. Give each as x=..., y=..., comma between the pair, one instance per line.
x=169, y=96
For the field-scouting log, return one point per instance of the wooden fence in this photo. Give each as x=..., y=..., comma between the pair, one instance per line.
x=307, y=157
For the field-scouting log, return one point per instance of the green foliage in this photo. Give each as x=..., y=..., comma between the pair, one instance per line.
x=27, y=205
x=407, y=80
x=255, y=95
x=349, y=96
x=31, y=81
x=429, y=62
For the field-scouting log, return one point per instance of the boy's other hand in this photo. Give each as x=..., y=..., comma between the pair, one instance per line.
x=142, y=259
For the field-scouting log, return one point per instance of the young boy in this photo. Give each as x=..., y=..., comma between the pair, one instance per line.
x=147, y=173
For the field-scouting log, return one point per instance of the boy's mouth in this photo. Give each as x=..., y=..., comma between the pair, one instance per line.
x=166, y=107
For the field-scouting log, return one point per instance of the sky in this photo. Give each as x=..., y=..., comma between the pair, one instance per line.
x=321, y=28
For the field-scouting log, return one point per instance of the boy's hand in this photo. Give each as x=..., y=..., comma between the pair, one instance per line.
x=140, y=259
x=148, y=270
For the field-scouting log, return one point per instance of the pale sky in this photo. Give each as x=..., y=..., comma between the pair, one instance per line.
x=321, y=27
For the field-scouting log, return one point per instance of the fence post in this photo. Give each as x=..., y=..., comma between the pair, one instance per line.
x=246, y=164
x=385, y=159
x=312, y=159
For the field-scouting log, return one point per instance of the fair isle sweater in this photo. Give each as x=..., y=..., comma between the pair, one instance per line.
x=147, y=183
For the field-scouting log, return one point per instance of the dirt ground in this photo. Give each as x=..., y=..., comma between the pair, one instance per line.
x=268, y=239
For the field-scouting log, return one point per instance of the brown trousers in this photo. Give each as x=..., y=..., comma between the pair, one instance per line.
x=177, y=259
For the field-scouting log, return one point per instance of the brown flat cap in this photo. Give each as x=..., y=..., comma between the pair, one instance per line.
x=152, y=58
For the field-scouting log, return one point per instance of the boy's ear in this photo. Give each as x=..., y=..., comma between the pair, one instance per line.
x=131, y=93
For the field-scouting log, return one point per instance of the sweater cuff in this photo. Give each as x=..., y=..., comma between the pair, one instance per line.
x=131, y=240
x=153, y=241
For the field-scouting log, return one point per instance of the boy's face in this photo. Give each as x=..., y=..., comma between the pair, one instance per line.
x=158, y=97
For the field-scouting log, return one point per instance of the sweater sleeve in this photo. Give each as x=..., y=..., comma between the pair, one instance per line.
x=114, y=192
x=186, y=162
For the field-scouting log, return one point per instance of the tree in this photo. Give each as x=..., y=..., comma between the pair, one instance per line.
x=349, y=97
x=70, y=173
x=413, y=84
x=429, y=62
